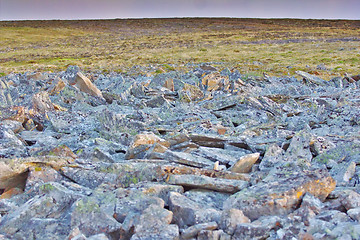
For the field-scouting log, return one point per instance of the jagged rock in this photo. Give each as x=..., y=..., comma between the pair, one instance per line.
x=351, y=200
x=217, y=184
x=208, y=198
x=311, y=78
x=272, y=156
x=42, y=211
x=194, y=230
x=343, y=173
x=85, y=85
x=230, y=218
x=14, y=171
x=281, y=196
x=188, y=213
x=57, y=85
x=245, y=163
x=42, y=103
x=259, y=229
x=91, y=219
x=190, y=93
x=154, y=223
x=188, y=159
x=101, y=169
x=160, y=190
x=354, y=213
x=143, y=142
x=299, y=149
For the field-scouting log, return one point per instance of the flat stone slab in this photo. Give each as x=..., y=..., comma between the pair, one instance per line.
x=217, y=184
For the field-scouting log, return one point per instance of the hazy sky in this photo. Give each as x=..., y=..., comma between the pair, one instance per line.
x=95, y=9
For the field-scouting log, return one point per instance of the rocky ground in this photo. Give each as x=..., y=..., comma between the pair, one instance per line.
x=206, y=154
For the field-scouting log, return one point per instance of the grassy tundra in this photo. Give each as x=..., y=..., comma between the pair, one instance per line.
x=254, y=46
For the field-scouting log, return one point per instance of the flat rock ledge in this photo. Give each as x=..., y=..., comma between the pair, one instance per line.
x=204, y=154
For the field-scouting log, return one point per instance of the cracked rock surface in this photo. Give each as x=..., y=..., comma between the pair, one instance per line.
x=204, y=154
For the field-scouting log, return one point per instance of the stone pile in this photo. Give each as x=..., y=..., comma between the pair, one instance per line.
x=205, y=154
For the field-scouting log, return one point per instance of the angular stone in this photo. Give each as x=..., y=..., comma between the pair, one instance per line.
x=42, y=103
x=281, y=196
x=204, y=182
x=180, y=170
x=354, y=213
x=351, y=200
x=213, y=235
x=311, y=202
x=17, y=113
x=143, y=143
x=188, y=159
x=154, y=224
x=272, y=156
x=52, y=202
x=299, y=149
x=193, y=231
x=160, y=190
x=245, y=163
x=208, y=198
x=191, y=93
x=311, y=78
x=156, y=102
x=230, y=218
x=16, y=170
x=188, y=213
x=85, y=85
x=56, y=86
x=91, y=219
x=343, y=173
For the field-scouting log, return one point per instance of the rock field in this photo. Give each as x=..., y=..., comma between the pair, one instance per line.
x=206, y=154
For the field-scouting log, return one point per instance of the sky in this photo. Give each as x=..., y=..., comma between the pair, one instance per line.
x=110, y=9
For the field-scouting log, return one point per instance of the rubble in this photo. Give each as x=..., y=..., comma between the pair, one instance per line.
x=207, y=154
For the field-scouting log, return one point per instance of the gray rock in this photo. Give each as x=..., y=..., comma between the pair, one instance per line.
x=204, y=182
x=194, y=230
x=188, y=213
x=282, y=195
x=230, y=218
x=354, y=213
x=208, y=198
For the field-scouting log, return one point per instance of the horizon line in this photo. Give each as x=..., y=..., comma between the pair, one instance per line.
x=182, y=17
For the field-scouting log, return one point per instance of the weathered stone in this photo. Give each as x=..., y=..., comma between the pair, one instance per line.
x=245, y=163
x=193, y=231
x=281, y=196
x=42, y=103
x=143, y=142
x=181, y=170
x=204, y=182
x=311, y=202
x=188, y=159
x=91, y=219
x=311, y=78
x=85, y=85
x=56, y=86
x=208, y=198
x=351, y=200
x=272, y=156
x=343, y=173
x=299, y=149
x=188, y=213
x=230, y=218
x=14, y=171
x=354, y=213
x=191, y=93
x=154, y=223
x=156, y=102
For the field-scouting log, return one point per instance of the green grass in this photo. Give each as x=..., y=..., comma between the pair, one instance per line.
x=117, y=45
